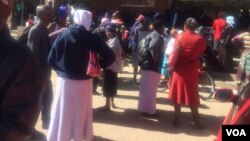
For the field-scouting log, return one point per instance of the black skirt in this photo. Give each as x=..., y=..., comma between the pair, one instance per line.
x=109, y=83
x=225, y=59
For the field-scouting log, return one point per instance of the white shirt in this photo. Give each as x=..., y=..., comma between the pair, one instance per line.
x=115, y=45
x=170, y=46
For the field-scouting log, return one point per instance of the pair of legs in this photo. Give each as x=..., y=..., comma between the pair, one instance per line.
x=47, y=100
x=195, y=115
x=135, y=73
x=109, y=88
x=134, y=59
x=95, y=82
x=109, y=103
x=215, y=49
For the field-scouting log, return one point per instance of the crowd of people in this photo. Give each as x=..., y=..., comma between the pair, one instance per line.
x=64, y=46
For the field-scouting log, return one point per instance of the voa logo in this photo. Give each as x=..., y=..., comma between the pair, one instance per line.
x=236, y=132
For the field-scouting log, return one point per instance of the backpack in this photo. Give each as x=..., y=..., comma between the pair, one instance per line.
x=145, y=59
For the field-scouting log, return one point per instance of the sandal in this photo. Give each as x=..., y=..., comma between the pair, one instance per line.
x=105, y=109
x=198, y=126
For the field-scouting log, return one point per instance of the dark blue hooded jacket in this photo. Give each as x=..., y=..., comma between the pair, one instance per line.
x=69, y=55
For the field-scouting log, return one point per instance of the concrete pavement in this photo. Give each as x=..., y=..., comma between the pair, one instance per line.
x=125, y=124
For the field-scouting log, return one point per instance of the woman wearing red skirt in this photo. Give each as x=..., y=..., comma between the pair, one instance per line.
x=184, y=86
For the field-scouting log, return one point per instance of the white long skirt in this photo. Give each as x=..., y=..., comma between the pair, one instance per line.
x=148, y=90
x=72, y=113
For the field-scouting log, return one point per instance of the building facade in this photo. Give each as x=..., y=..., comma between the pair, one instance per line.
x=140, y=5
x=136, y=6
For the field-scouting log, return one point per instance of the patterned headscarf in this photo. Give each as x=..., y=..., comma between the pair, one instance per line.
x=83, y=17
x=230, y=21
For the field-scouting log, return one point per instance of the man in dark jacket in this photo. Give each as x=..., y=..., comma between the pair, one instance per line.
x=39, y=43
x=20, y=98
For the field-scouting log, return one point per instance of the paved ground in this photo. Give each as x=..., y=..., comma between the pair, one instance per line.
x=124, y=123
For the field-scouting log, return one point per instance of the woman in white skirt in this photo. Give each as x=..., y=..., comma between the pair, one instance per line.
x=72, y=112
x=150, y=74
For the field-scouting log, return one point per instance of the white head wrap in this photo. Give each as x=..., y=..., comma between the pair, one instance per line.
x=230, y=21
x=83, y=17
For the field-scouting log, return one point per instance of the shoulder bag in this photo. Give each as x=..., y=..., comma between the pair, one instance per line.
x=94, y=69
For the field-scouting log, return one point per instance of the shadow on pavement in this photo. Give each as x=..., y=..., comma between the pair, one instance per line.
x=123, y=83
x=160, y=100
x=97, y=138
x=221, y=76
x=161, y=123
x=127, y=84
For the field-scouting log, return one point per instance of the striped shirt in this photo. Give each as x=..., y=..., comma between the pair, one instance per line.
x=243, y=74
x=245, y=38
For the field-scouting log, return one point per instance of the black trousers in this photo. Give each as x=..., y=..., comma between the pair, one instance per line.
x=46, y=103
x=95, y=81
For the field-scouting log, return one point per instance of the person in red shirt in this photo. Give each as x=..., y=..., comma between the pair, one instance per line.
x=30, y=21
x=218, y=25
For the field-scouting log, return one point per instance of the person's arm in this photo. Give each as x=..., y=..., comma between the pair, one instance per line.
x=20, y=107
x=53, y=54
x=34, y=45
x=235, y=38
x=238, y=43
x=155, y=46
x=54, y=35
x=106, y=54
x=38, y=41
